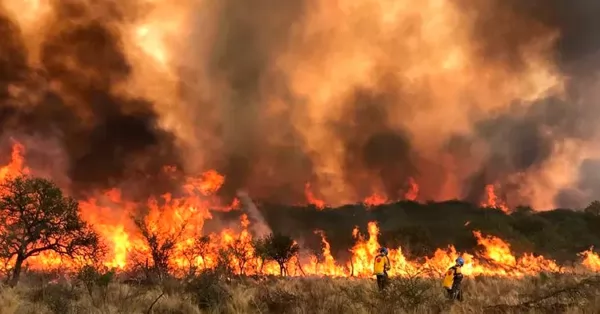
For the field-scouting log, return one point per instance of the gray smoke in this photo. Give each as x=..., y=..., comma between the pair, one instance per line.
x=258, y=226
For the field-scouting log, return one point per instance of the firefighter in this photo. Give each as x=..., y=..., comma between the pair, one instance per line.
x=453, y=279
x=381, y=267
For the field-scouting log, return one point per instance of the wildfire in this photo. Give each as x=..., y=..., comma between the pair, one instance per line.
x=492, y=200
x=209, y=183
x=177, y=62
x=16, y=165
x=413, y=190
x=303, y=95
x=310, y=197
x=327, y=266
x=375, y=199
x=591, y=260
x=185, y=215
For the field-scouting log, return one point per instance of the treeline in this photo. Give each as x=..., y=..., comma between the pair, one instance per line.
x=422, y=228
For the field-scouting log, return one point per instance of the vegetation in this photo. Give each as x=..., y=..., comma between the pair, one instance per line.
x=209, y=293
x=420, y=229
x=279, y=248
x=161, y=246
x=36, y=218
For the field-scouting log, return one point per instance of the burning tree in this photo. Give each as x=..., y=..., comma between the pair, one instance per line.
x=241, y=251
x=200, y=248
x=160, y=244
x=280, y=248
x=36, y=218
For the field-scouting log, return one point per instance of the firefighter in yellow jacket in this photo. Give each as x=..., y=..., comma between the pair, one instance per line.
x=453, y=279
x=381, y=267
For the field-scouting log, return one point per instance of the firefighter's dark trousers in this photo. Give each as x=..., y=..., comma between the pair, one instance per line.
x=382, y=281
x=455, y=294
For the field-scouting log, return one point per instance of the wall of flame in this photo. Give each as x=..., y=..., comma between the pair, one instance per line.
x=111, y=216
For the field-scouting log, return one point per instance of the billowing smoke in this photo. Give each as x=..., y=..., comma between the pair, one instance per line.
x=63, y=88
x=544, y=145
x=354, y=96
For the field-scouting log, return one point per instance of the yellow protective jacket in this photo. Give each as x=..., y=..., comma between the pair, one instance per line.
x=382, y=265
x=451, y=275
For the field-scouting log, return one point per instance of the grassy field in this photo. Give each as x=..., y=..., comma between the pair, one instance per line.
x=210, y=293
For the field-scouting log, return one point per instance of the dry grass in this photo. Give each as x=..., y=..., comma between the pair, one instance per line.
x=210, y=294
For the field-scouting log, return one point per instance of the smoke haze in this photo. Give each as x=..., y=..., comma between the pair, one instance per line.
x=353, y=96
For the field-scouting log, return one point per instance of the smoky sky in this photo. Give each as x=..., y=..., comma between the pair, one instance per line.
x=249, y=36
x=519, y=138
x=384, y=153
x=501, y=38
x=109, y=139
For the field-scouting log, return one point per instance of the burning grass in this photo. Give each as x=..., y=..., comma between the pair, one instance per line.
x=210, y=293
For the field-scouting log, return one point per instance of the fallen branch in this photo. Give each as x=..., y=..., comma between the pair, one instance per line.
x=153, y=303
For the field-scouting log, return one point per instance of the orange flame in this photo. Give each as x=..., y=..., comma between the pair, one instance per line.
x=16, y=165
x=591, y=260
x=413, y=190
x=328, y=265
x=111, y=215
x=493, y=201
x=310, y=197
x=375, y=199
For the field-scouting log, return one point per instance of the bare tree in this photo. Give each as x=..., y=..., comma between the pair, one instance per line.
x=36, y=218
